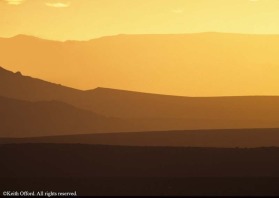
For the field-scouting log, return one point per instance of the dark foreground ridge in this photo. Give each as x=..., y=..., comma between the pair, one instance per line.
x=123, y=170
x=221, y=138
x=148, y=186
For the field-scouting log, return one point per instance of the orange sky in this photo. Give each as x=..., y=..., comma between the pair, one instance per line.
x=86, y=19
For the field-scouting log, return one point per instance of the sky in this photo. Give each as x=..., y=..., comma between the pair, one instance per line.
x=88, y=19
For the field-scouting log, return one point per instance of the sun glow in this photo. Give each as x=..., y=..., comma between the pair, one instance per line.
x=87, y=19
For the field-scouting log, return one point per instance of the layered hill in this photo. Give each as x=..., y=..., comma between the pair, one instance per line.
x=151, y=111
x=25, y=119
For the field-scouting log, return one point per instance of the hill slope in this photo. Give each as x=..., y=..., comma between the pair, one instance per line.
x=25, y=119
x=151, y=111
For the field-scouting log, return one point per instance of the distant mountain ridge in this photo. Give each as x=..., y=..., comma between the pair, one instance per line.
x=201, y=64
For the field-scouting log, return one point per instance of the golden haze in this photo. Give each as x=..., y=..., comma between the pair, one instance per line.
x=206, y=64
x=87, y=19
x=153, y=55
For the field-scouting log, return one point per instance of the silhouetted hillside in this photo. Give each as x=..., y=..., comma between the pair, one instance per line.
x=25, y=119
x=58, y=160
x=242, y=138
x=15, y=85
x=151, y=111
x=114, y=170
x=90, y=186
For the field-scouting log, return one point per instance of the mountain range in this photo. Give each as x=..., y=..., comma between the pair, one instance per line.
x=111, y=141
x=201, y=64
